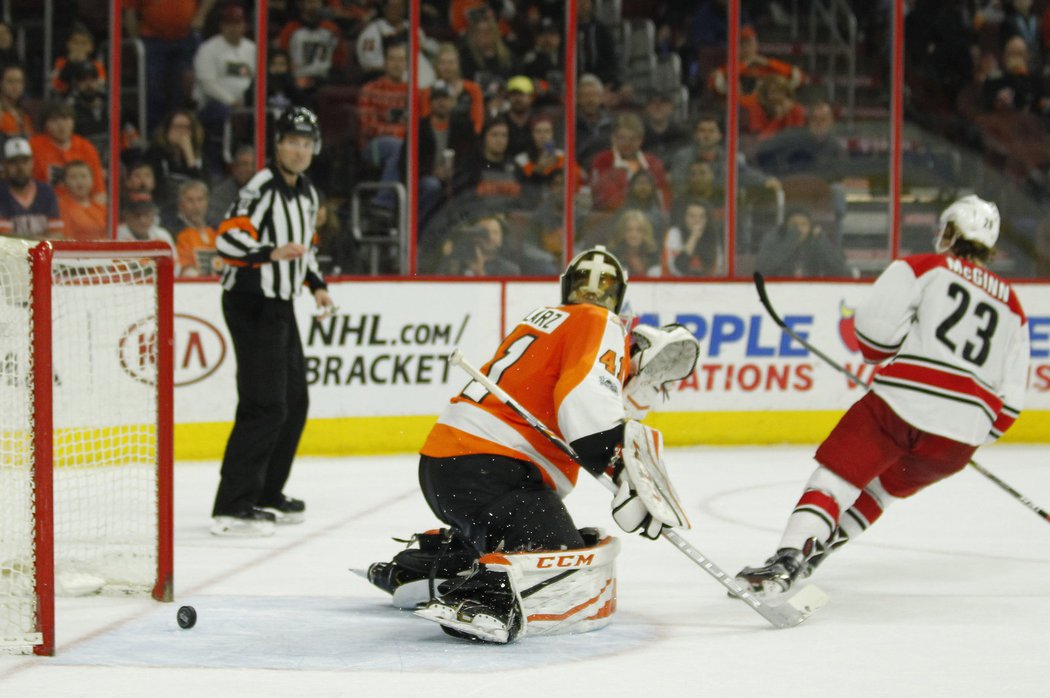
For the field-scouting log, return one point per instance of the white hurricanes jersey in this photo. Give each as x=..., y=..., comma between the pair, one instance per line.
x=956, y=339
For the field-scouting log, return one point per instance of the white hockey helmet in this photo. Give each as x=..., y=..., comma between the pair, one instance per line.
x=595, y=276
x=974, y=218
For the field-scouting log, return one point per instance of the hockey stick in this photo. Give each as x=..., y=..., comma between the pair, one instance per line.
x=791, y=612
x=760, y=285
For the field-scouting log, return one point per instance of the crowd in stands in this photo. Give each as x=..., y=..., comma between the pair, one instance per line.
x=650, y=157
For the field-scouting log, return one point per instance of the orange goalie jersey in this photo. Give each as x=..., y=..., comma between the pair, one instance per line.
x=566, y=365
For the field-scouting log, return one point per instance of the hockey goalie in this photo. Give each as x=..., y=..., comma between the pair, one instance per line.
x=511, y=562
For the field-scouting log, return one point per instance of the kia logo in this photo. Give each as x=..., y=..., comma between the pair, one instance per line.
x=200, y=349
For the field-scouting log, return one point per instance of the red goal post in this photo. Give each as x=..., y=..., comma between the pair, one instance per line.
x=86, y=432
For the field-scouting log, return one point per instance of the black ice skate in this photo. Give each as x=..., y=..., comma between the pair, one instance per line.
x=286, y=510
x=777, y=575
x=411, y=577
x=483, y=608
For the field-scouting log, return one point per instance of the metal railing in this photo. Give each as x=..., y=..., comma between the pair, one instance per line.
x=840, y=24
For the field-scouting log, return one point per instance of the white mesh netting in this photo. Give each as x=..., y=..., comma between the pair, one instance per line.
x=105, y=434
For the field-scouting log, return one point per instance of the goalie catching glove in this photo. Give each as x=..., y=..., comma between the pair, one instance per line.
x=645, y=501
x=659, y=356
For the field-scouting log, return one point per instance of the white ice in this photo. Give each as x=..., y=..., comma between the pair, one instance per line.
x=948, y=595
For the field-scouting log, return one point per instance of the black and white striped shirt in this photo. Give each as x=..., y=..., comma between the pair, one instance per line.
x=268, y=214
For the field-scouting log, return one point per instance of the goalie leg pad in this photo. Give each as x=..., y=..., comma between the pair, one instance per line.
x=562, y=591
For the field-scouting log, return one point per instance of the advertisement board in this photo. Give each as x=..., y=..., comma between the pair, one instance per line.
x=378, y=371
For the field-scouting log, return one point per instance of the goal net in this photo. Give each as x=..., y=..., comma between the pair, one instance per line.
x=85, y=428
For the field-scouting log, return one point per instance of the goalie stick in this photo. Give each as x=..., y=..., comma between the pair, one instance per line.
x=760, y=286
x=791, y=612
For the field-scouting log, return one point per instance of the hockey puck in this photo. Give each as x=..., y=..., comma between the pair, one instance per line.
x=186, y=617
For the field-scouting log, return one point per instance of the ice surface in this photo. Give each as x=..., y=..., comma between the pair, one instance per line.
x=948, y=595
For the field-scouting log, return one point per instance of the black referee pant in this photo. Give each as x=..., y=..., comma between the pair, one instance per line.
x=272, y=402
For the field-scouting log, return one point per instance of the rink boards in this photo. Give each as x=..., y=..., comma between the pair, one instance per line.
x=378, y=372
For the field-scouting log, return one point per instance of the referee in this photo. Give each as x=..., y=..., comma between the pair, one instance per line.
x=267, y=244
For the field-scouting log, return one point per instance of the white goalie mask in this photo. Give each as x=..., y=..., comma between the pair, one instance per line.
x=975, y=219
x=595, y=276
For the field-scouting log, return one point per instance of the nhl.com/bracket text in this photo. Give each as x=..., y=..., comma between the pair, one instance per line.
x=370, y=349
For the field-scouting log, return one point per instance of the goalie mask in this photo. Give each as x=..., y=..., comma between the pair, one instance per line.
x=974, y=219
x=594, y=276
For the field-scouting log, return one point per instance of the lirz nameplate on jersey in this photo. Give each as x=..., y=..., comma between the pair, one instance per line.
x=546, y=320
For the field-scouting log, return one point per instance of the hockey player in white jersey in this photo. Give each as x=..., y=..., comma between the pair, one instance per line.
x=953, y=341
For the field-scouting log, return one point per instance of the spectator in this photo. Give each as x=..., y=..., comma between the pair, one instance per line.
x=692, y=246
x=1015, y=141
x=80, y=52
x=170, y=31
x=8, y=52
x=462, y=14
x=194, y=238
x=442, y=134
x=224, y=69
x=352, y=15
x=799, y=249
x=1024, y=88
x=227, y=191
x=140, y=182
x=58, y=145
x=14, y=121
x=484, y=55
x=700, y=185
x=541, y=162
x=634, y=244
x=707, y=147
x=176, y=155
x=814, y=149
x=392, y=25
x=545, y=62
x=28, y=208
x=487, y=176
x=520, y=114
x=771, y=108
x=84, y=218
x=593, y=123
x=477, y=251
x=753, y=67
x=613, y=168
x=1020, y=21
x=644, y=195
x=314, y=44
x=595, y=48
x=466, y=94
x=383, y=110
x=282, y=91
x=140, y=224
x=663, y=134
x=90, y=108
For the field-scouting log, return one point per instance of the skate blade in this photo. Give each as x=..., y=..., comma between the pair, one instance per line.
x=481, y=627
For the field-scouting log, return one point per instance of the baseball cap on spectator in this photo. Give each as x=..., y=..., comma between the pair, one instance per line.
x=439, y=88
x=520, y=83
x=232, y=13
x=547, y=26
x=17, y=147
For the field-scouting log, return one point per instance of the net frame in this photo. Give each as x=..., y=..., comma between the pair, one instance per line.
x=42, y=259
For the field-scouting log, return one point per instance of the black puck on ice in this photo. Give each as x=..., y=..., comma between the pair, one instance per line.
x=186, y=617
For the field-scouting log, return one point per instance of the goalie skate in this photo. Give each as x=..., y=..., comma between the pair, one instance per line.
x=472, y=619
